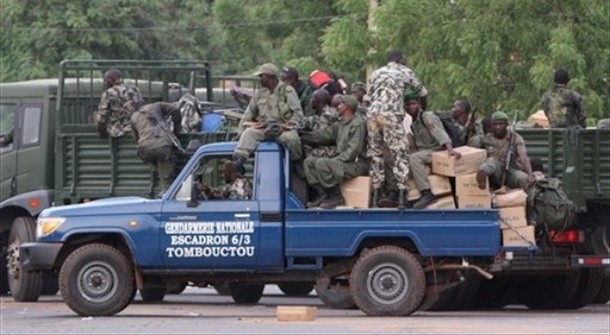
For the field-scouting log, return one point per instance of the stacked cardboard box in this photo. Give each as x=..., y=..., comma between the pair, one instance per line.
x=468, y=193
x=513, y=219
x=356, y=192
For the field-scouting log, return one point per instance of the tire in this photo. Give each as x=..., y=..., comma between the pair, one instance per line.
x=465, y=293
x=387, y=281
x=4, y=289
x=336, y=297
x=296, y=289
x=548, y=292
x=492, y=294
x=589, y=285
x=603, y=296
x=601, y=239
x=97, y=280
x=177, y=289
x=24, y=286
x=246, y=293
x=50, y=284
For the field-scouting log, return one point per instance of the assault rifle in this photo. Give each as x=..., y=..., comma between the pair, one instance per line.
x=509, y=151
x=471, y=128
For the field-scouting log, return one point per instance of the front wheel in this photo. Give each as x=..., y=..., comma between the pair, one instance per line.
x=387, y=281
x=24, y=285
x=296, y=289
x=97, y=280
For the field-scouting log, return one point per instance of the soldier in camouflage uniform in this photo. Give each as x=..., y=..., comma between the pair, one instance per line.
x=189, y=110
x=157, y=142
x=273, y=114
x=460, y=115
x=325, y=174
x=118, y=103
x=384, y=121
x=430, y=136
x=304, y=90
x=324, y=117
x=359, y=92
x=563, y=106
x=237, y=186
x=498, y=143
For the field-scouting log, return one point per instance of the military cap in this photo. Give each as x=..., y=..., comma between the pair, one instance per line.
x=290, y=71
x=350, y=102
x=497, y=116
x=269, y=69
x=411, y=95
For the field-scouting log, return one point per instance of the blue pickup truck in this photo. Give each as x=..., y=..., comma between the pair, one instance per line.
x=390, y=259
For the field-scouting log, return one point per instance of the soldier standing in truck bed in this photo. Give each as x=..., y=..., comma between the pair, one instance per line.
x=117, y=104
x=563, y=106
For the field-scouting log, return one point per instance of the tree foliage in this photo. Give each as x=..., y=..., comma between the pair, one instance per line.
x=500, y=53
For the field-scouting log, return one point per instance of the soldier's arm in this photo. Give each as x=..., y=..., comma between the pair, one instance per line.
x=102, y=114
x=522, y=155
x=355, y=143
x=435, y=127
x=292, y=100
x=416, y=84
x=169, y=110
x=581, y=115
x=250, y=114
x=324, y=136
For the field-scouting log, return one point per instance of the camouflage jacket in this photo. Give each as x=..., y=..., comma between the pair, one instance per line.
x=240, y=189
x=563, y=107
x=280, y=105
x=117, y=105
x=498, y=148
x=314, y=122
x=387, y=86
x=156, y=125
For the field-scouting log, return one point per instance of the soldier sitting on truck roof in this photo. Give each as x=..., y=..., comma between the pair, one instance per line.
x=157, y=143
x=117, y=104
x=498, y=143
x=325, y=173
x=237, y=186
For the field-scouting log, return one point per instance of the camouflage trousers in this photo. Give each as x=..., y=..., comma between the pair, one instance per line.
x=324, y=151
x=329, y=172
x=384, y=127
x=515, y=178
x=418, y=161
x=250, y=138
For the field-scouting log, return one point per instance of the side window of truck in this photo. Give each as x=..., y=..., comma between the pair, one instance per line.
x=30, y=135
x=215, y=182
x=7, y=126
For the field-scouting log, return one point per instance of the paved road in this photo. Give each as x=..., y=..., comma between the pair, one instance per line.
x=202, y=311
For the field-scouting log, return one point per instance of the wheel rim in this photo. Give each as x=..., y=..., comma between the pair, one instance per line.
x=12, y=260
x=97, y=281
x=387, y=283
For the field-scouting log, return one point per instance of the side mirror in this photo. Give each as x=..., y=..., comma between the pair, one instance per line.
x=193, y=198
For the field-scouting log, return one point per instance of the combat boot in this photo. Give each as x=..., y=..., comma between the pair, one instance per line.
x=319, y=198
x=375, y=198
x=390, y=200
x=334, y=198
x=426, y=198
x=401, y=199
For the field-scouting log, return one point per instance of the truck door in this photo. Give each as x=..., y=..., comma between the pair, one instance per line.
x=8, y=150
x=220, y=231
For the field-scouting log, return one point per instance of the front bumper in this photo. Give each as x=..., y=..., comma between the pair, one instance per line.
x=38, y=256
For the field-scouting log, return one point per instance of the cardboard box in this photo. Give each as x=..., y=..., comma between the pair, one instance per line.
x=474, y=201
x=446, y=165
x=356, y=192
x=519, y=237
x=297, y=313
x=515, y=216
x=446, y=202
x=509, y=198
x=466, y=184
x=439, y=185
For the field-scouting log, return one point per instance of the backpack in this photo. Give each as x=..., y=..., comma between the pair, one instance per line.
x=549, y=204
x=454, y=132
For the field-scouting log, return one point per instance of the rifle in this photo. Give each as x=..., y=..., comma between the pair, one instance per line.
x=471, y=128
x=509, y=152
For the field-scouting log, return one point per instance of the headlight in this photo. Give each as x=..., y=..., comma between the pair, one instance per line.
x=48, y=225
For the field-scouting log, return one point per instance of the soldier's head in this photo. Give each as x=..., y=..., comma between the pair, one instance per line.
x=268, y=75
x=487, y=125
x=289, y=75
x=562, y=76
x=359, y=90
x=112, y=77
x=460, y=111
x=320, y=99
x=396, y=56
x=230, y=171
x=348, y=106
x=336, y=100
x=412, y=103
x=499, y=121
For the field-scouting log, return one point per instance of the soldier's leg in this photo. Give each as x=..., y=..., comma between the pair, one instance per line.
x=166, y=169
x=516, y=179
x=311, y=173
x=331, y=173
x=247, y=143
x=491, y=169
x=395, y=137
x=418, y=161
x=291, y=140
x=375, y=151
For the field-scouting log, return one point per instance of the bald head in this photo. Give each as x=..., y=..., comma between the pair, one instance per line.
x=112, y=77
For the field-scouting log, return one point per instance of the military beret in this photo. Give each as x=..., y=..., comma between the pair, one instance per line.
x=499, y=116
x=269, y=69
x=350, y=102
x=411, y=95
x=290, y=71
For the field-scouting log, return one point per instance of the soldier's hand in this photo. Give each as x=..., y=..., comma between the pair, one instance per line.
x=203, y=188
x=455, y=154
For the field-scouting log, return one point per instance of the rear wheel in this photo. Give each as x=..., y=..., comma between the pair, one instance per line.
x=336, y=296
x=548, y=292
x=97, y=280
x=603, y=295
x=591, y=280
x=387, y=281
x=296, y=289
x=493, y=294
x=246, y=293
x=24, y=285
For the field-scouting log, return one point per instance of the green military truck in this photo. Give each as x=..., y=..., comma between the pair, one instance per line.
x=51, y=154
